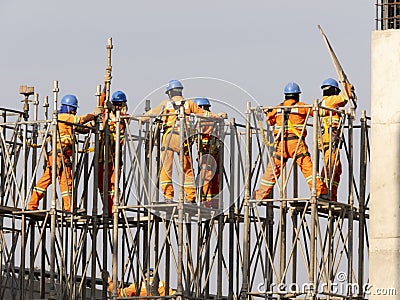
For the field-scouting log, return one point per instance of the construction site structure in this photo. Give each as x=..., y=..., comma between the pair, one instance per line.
x=384, y=258
x=293, y=245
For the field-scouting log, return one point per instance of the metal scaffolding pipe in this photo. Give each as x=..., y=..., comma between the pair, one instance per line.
x=53, y=212
x=246, y=210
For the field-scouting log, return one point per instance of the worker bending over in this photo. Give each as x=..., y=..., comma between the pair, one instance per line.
x=146, y=288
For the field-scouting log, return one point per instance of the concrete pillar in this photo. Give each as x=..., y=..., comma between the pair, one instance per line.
x=384, y=259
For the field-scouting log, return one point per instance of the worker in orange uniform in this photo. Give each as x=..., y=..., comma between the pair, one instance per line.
x=118, y=102
x=67, y=113
x=331, y=98
x=209, y=145
x=132, y=291
x=171, y=139
x=290, y=122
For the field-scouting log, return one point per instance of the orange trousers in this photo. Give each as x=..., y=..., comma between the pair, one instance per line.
x=170, y=145
x=209, y=180
x=332, y=179
x=303, y=160
x=111, y=185
x=64, y=178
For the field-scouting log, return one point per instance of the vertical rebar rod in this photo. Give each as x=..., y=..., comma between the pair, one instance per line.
x=106, y=213
x=199, y=272
x=294, y=242
x=313, y=202
x=221, y=216
x=351, y=205
x=54, y=124
x=246, y=210
x=2, y=199
x=116, y=202
x=43, y=263
x=84, y=228
x=95, y=196
x=361, y=203
x=73, y=225
x=330, y=230
x=31, y=222
x=207, y=254
x=24, y=193
x=181, y=201
x=168, y=256
x=188, y=279
x=231, y=208
x=294, y=221
x=106, y=136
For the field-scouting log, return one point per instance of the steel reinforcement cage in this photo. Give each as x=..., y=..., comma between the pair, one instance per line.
x=291, y=245
x=387, y=14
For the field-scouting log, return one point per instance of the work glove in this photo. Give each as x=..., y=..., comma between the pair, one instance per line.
x=267, y=110
x=223, y=115
x=97, y=111
x=349, y=89
x=106, y=276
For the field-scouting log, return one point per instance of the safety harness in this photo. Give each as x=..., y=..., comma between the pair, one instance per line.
x=291, y=131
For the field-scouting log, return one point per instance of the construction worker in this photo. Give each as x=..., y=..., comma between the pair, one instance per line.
x=331, y=98
x=291, y=123
x=132, y=291
x=67, y=113
x=118, y=102
x=171, y=139
x=208, y=147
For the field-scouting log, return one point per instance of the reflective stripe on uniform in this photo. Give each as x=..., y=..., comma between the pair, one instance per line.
x=39, y=190
x=166, y=182
x=267, y=183
x=66, y=193
x=123, y=294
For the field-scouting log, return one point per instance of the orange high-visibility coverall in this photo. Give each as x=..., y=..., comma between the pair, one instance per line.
x=111, y=154
x=64, y=152
x=209, y=164
x=171, y=143
x=283, y=151
x=331, y=155
x=130, y=291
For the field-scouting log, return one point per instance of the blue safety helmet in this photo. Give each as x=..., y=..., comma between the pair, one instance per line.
x=173, y=84
x=202, y=102
x=118, y=97
x=292, y=88
x=70, y=100
x=330, y=82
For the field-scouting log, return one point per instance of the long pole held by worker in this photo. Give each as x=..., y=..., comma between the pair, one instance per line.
x=339, y=70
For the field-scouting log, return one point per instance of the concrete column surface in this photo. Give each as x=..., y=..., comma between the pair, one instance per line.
x=384, y=258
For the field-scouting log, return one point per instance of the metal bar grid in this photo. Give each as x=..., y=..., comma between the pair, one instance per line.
x=221, y=253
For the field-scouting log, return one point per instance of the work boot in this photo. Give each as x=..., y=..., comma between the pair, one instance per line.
x=214, y=203
x=168, y=201
x=80, y=211
x=324, y=197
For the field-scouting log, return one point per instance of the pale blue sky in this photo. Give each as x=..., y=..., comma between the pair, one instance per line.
x=257, y=45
